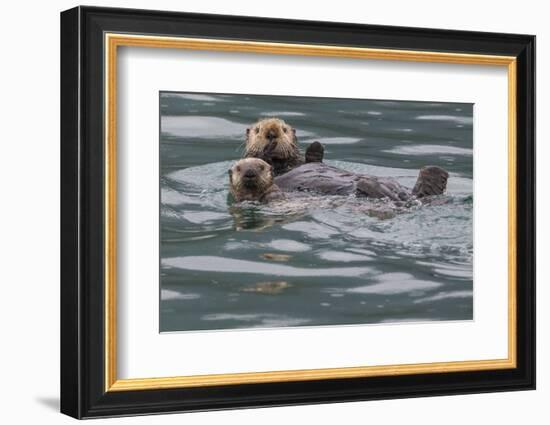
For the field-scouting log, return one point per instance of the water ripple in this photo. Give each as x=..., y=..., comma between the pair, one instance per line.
x=230, y=265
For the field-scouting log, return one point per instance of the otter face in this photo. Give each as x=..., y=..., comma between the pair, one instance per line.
x=249, y=178
x=273, y=138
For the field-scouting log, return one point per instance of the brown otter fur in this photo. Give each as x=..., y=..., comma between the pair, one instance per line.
x=274, y=141
x=325, y=179
x=251, y=179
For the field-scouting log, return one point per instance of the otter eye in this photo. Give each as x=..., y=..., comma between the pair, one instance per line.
x=262, y=168
x=257, y=130
x=239, y=169
x=285, y=129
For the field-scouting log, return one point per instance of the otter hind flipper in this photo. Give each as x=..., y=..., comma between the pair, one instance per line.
x=315, y=152
x=432, y=180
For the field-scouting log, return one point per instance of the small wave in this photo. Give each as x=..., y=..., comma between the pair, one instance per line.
x=409, y=320
x=230, y=316
x=444, y=296
x=173, y=197
x=342, y=256
x=395, y=283
x=284, y=245
x=204, y=177
x=339, y=140
x=282, y=114
x=169, y=295
x=430, y=150
x=313, y=230
x=262, y=320
x=453, y=118
x=199, y=217
x=202, y=127
x=288, y=245
x=449, y=269
x=193, y=96
x=230, y=265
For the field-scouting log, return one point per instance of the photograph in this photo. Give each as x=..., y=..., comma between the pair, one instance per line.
x=288, y=211
x=285, y=210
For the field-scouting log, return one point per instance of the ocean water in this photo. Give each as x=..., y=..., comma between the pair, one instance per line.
x=313, y=260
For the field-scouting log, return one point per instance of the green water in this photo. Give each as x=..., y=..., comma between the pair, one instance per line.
x=331, y=263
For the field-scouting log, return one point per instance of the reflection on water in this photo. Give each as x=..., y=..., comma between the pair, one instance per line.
x=313, y=260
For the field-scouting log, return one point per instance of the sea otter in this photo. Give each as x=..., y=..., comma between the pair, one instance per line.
x=275, y=142
x=325, y=179
x=251, y=179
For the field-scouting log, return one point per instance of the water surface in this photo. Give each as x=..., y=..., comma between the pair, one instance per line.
x=312, y=260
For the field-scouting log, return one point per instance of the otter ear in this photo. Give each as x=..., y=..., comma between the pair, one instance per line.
x=230, y=172
x=248, y=131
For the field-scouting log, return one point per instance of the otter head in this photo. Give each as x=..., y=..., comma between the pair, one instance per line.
x=272, y=139
x=249, y=179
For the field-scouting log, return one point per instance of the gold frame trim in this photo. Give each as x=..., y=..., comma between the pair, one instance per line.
x=113, y=41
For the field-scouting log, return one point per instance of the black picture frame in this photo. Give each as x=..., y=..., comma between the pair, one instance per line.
x=83, y=392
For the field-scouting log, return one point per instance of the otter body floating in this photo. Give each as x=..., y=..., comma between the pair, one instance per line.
x=321, y=178
x=274, y=142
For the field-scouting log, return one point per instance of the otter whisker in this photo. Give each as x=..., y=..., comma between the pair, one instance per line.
x=243, y=144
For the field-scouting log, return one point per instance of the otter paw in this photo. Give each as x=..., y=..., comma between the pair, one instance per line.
x=432, y=180
x=315, y=152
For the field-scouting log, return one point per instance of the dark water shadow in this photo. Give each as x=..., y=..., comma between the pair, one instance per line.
x=49, y=402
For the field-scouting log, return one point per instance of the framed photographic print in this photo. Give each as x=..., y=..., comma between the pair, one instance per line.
x=261, y=212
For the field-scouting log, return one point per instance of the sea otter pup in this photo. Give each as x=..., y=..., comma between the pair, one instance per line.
x=251, y=179
x=325, y=179
x=274, y=141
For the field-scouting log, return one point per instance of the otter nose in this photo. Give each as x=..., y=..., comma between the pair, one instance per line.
x=271, y=134
x=250, y=174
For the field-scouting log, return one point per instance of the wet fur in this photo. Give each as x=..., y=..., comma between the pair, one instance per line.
x=275, y=142
x=259, y=188
x=324, y=179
